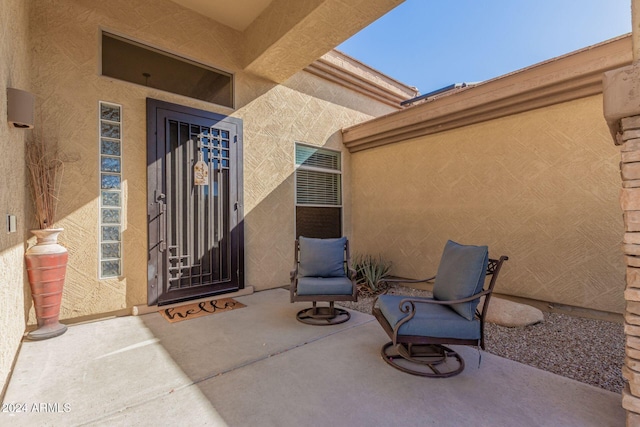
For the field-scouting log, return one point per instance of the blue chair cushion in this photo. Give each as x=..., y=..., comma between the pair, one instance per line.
x=324, y=286
x=461, y=273
x=321, y=257
x=430, y=320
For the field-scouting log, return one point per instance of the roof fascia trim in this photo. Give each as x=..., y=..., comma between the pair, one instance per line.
x=347, y=72
x=572, y=76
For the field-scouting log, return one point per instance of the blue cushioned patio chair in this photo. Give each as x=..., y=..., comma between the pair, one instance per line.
x=322, y=273
x=419, y=328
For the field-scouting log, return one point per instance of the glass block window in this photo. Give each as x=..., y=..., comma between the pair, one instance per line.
x=110, y=143
x=318, y=192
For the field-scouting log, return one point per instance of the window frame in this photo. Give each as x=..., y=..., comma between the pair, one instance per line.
x=317, y=169
x=167, y=52
x=338, y=172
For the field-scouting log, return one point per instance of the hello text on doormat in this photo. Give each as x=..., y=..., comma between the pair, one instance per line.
x=203, y=308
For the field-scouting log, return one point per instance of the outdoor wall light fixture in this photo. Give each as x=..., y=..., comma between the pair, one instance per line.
x=20, y=108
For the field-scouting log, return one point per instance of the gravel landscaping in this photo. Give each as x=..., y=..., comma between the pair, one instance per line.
x=587, y=350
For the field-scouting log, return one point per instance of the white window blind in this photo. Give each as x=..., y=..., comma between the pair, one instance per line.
x=318, y=178
x=318, y=188
x=317, y=157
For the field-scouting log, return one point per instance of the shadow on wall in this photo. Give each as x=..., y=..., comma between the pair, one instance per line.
x=541, y=187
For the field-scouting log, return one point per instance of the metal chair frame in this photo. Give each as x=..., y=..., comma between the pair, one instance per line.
x=323, y=315
x=414, y=353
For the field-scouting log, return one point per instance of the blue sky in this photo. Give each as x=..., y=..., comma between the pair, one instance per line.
x=433, y=43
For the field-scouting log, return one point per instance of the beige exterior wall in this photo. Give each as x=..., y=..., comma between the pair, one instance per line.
x=303, y=109
x=14, y=72
x=541, y=187
x=66, y=46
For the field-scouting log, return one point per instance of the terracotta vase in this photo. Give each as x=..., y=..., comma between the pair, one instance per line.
x=46, y=268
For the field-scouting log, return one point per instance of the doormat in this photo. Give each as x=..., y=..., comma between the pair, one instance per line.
x=204, y=308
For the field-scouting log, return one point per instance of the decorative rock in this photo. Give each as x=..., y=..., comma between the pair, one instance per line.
x=629, y=375
x=630, y=171
x=631, y=249
x=632, y=294
x=512, y=314
x=631, y=145
x=633, y=419
x=630, y=156
x=631, y=330
x=632, y=353
x=632, y=122
x=632, y=364
x=633, y=307
x=633, y=278
x=633, y=238
x=632, y=379
x=632, y=220
x=630, y=199
x=629, y=401
x=631, y=134
x=632, y=319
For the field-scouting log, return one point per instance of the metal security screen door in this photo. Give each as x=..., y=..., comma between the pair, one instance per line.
x=194, y=189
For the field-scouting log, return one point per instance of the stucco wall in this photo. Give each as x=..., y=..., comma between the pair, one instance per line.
x=304, y=109
x=14, y=72
x=541, y=187
x=66, y=45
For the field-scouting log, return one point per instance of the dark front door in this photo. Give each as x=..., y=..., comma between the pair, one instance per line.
x=194, y=191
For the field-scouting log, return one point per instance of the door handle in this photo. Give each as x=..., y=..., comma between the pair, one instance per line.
x=162, y=209
x=219, y=208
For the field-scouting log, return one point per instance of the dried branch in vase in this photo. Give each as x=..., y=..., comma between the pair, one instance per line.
x=45, y=175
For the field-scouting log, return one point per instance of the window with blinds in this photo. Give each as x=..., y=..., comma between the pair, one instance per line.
x=314, y=157
x=317, y=188
x=318, y=180
x=318, y=176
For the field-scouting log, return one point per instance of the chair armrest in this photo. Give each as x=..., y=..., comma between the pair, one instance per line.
x=441, y=302
x=294, y=271
x=407, y=305
x=351, y=275
x=428, y=279
x=375, y=300
x=293, y=275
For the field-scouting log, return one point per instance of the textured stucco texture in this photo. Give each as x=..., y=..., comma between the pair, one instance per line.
x=541, y=187
x=14, y=72
x=68, y=86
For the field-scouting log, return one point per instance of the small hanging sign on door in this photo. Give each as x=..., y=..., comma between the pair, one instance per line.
x=200, y=171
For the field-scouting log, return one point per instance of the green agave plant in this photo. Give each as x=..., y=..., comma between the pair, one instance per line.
x=370, y=271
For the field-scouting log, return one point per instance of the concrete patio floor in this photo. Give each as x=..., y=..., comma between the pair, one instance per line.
x=258, y=366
